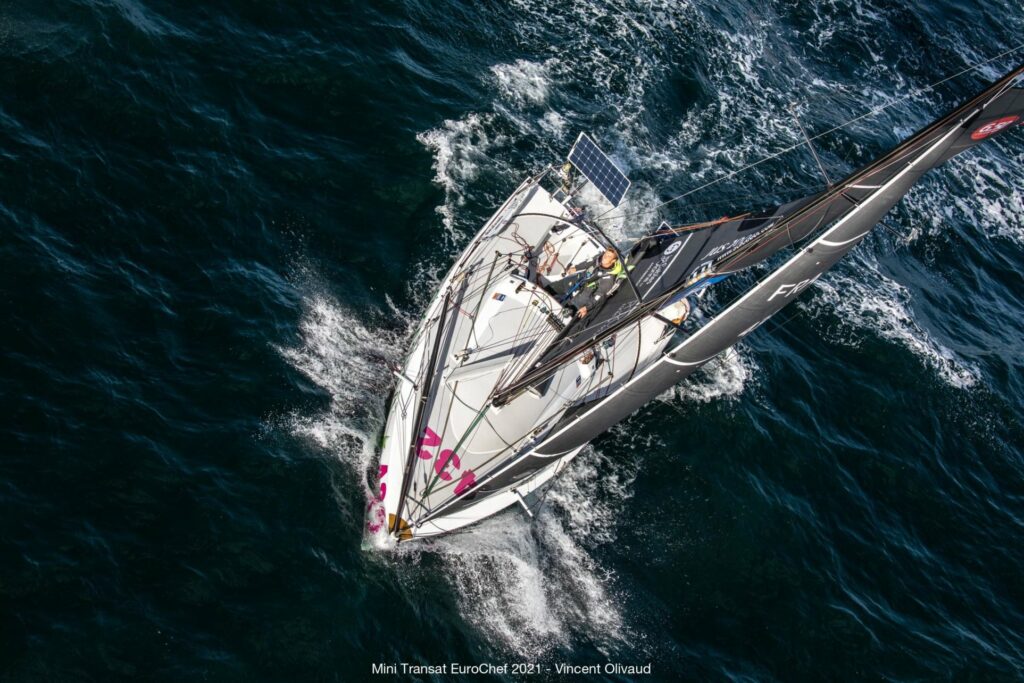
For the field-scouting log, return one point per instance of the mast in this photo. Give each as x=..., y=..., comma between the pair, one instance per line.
x=845, y=195
x=853, y=207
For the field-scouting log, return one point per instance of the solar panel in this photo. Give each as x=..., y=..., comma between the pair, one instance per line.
x=599, y=169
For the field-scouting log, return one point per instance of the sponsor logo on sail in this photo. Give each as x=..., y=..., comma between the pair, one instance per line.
x=739, y=241
x=993, y=127
x=787, y=290
x=673, y=248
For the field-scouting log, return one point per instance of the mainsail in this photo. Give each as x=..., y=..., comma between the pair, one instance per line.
x=849, y=210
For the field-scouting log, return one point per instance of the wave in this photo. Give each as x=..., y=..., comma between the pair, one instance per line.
x=862, y=297
x=523, y=82
x=979, y=191
x=346, y=359
x=460, y=147
x=726, y=377
x=535, y=586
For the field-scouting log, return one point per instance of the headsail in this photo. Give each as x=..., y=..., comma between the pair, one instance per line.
x=852, y=208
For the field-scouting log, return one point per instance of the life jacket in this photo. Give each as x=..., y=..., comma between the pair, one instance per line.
x=617, y=271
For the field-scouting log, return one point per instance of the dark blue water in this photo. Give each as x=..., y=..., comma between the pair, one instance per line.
x=219, y=220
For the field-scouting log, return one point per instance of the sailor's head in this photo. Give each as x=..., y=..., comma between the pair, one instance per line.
x=608, y=258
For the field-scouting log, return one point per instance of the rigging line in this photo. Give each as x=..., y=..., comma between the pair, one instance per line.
x=530, y=327
x=501, y=343
x=425, y=404
x=537, y=329
x=428, y=387
x=484, y=478
x=448, y=413
x=903, y=151
x=470, y=293
x=490, y=474
x=419, y=503
x=789, y=149
x=802, y=189
x=480, y=301
x=821, y=167
x=551, y=484
x=429, y=488
x=441, y=507
x=550, y=366
x=479, y=289
x=779, y=326
x=900, y=239
x=432, y=481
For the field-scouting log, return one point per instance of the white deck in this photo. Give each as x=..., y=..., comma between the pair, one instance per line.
x=500, y=319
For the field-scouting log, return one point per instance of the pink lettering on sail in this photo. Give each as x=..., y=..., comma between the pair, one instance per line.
x=442, y=461
x=429, y=439
x=376, y=506
x=467, y=480
x=445, y=458
x=376, y=510
x=383, y=486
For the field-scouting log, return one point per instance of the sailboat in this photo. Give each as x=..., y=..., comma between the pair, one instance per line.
x=545, y=334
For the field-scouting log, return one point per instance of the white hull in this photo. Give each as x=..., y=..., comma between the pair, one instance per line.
x=505, y=317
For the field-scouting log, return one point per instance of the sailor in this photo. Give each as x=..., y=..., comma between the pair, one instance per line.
x=601, y=281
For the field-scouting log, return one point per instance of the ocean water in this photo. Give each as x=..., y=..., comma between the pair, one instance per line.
x=221, y=220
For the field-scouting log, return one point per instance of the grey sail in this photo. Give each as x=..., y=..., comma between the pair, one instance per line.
x=852, y=208
x=665, y=265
